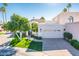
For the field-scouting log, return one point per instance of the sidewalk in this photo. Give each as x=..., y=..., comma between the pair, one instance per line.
x=22, y=52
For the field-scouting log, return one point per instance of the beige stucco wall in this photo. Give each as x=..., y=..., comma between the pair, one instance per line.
x=74, y=29
x=62, y=18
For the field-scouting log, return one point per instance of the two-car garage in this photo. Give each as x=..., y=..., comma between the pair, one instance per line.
x=50, y=30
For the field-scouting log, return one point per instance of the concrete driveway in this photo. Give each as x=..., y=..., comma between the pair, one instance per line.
x=4, y=38
x=58, y=44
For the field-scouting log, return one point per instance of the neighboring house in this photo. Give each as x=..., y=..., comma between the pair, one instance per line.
x=66, y=17
x=37, y=20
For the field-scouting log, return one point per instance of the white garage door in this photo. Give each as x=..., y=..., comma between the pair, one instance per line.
x=51, y=31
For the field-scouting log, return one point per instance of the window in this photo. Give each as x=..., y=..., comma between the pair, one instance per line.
x=71, y=19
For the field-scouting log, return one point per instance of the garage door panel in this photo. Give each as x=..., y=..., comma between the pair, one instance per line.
x=52, y=35
x=51, y=31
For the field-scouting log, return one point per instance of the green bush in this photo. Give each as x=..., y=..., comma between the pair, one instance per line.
x=14, y=42
x=24, y=43
x=68, y=35
x=75, y=44
x=72, y=42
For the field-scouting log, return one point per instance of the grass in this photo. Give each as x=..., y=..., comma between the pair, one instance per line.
x=36, y=46
x=25, y=43
x=1, y=33
x=14, y=42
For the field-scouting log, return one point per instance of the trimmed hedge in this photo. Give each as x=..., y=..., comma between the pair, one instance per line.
x=72, y=42
x=75, y=44
x=68, y=35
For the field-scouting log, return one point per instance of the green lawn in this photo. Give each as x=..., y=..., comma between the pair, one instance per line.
x=25, y=43
x=1, y=33
x=36, y=46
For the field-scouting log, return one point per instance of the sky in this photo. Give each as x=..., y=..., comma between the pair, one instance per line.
x=37, y=10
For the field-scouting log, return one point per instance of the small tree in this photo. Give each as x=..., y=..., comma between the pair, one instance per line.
x=43, y=19
x=34, y=27
x=17, y=24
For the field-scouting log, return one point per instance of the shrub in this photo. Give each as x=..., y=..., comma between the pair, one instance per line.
x=75, y=44
x=14, y=42
x=24, y=43
x=72, y=42
x=68, y=35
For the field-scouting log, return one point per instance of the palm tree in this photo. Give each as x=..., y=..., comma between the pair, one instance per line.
x=5, y=5
x=65, y=10
x=68, y=6
x=3, y=10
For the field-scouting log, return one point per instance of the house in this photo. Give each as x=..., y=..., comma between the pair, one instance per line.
x=73, y=28
x=37, y=20
x=68, y=21
x=66, y=17
x=50, y=30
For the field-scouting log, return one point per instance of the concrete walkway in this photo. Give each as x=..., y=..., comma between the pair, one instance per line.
x=59, y=44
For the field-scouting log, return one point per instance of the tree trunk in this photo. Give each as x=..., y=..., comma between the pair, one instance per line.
x=17, y=36
x=20, y=35
x=68, y=9
x=3, y=17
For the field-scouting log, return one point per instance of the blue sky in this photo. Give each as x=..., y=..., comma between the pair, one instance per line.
x=30, y=10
